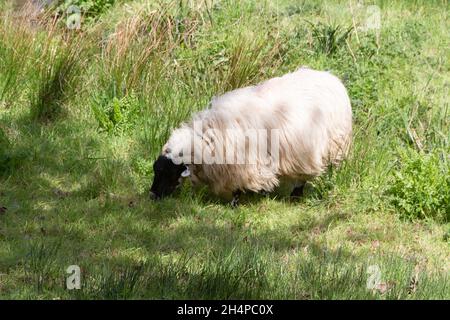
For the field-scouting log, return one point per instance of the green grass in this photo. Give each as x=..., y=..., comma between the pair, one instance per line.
x=83, y=115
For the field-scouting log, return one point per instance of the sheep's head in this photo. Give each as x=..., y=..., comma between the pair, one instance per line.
x=167, y=176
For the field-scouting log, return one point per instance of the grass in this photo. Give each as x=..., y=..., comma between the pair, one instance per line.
x=83, y=114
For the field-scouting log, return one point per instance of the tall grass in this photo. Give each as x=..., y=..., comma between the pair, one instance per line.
x=15, y=46
x=58, y=67
x=328, y=38
x=245, y=274
x=247, y=60
x=40, y=263
x=39, y=58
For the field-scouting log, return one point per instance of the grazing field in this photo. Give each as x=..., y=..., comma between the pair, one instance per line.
x=85, y=112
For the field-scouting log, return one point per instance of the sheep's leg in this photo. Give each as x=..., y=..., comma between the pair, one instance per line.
x=297, y=192
x=235, y=201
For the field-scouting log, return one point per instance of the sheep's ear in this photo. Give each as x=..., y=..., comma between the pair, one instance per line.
x=186, y=173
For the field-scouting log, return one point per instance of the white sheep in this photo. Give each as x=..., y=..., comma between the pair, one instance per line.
x=308, y=120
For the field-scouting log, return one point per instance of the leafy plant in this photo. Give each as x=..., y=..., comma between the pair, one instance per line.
x=116, y=115
x=91, y=9
x=421, y=186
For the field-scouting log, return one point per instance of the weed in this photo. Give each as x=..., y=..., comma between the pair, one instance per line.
x=420, y=187
x=40, y=262
x=118, y=115
x=328, y=38
x=58, y=66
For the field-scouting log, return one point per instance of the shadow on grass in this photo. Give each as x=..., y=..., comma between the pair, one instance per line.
x=63, y=210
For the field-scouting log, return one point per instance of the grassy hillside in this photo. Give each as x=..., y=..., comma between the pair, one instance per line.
x=84, y=113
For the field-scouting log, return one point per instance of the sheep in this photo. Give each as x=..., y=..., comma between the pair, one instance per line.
x=309, y=111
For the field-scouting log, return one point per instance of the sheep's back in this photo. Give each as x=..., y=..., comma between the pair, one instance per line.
x=312, y=113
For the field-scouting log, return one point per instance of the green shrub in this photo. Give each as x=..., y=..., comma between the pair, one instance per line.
x=420, y=186
x=116, y=115
x=91, y=9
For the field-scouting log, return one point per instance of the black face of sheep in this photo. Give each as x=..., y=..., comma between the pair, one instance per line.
x=167, y=177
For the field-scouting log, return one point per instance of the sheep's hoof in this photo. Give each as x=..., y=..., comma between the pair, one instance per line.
x=235, y=201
